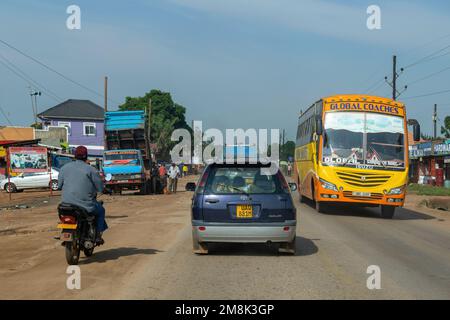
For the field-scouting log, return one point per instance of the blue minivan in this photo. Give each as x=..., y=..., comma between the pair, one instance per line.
x=241, y=203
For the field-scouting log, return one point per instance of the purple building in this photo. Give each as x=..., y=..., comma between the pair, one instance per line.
x=84, y=122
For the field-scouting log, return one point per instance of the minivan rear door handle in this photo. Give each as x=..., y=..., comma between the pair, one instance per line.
x=212, y=200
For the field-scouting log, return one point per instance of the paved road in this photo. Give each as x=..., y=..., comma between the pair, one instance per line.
x=148, y=256
x=335, y=249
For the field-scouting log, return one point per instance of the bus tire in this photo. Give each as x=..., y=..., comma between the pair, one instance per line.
x=387, y=212
x=320, y=206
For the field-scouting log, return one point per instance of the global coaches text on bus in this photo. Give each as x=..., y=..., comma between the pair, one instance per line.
x=354, y=149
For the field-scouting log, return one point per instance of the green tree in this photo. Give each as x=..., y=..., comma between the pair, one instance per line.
x=166, y=116
x=445, y=130
x=287, y=150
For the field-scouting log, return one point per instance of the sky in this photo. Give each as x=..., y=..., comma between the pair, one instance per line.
x=231, y=63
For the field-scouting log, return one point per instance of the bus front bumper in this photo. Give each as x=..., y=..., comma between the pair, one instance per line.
x=361, y=197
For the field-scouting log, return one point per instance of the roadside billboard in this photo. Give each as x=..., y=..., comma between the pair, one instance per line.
x=28, y=159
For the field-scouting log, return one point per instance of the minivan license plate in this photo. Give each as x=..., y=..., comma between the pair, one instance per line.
x=244, y=211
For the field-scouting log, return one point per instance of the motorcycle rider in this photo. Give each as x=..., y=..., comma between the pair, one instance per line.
x=80, y=183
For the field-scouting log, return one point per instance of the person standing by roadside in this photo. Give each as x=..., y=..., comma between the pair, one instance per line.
x=185, y=170
x=289, y=169
x=155, y=178
x=163, y=177
x=174, y=172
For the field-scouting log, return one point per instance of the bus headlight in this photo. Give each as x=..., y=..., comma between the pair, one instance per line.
x=396, y=191
x=328, y=185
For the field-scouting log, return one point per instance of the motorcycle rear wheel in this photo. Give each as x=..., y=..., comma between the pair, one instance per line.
x=72, y=252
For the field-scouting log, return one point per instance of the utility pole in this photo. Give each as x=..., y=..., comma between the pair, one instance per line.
x=33, y=95
x=395, y=75
x=435, y=122
x=106, y=94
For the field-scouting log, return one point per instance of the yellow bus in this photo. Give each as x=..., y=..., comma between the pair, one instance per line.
x=354, y=149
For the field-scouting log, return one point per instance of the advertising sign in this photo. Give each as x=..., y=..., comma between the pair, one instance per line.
x=28, y=159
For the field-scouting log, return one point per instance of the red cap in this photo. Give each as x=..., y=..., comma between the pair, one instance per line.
x=81, y=153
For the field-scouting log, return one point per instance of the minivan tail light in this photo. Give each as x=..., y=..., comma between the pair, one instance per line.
x=284, y=183
x=204, y=179
x=201, y=228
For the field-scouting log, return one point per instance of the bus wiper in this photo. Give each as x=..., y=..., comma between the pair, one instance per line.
x=347, y=160
x=378, y=156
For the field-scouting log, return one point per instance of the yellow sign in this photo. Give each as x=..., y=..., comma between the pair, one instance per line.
x=365, y=106
x=2, y=152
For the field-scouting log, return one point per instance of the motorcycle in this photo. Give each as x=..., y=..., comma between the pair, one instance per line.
x=78, y=231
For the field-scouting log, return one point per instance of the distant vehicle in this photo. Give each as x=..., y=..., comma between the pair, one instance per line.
x=127, y=156
x=31, y=180
x=354, y=149
x=238, y=203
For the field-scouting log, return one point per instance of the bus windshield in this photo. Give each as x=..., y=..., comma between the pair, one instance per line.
x=363, y=140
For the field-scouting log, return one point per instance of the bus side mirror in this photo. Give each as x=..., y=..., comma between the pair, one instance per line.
x=319, y=127
x=416, y=132
x=416, y=128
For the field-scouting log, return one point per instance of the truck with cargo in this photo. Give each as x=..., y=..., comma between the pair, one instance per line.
x=127, y=156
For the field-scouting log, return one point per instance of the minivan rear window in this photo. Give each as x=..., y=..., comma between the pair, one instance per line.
x=235, y=180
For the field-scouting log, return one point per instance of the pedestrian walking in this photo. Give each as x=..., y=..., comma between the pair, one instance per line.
x=163, y=178
x=154, y=178
x=174, y=173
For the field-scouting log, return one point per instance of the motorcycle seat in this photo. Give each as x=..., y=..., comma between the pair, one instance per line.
x=68, y=209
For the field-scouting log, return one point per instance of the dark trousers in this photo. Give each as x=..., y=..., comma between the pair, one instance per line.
x=100, y=217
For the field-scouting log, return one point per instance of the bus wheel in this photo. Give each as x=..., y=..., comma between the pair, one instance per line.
x=320, y=206
x=387, y=212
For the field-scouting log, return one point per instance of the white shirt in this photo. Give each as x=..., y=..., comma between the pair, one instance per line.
x=174, y=172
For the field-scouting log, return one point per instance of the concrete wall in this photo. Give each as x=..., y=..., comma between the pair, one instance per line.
x=52, y=136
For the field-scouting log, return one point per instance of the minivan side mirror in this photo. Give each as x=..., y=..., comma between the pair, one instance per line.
x=319, y=127
x=190, y=186
x=292, y=186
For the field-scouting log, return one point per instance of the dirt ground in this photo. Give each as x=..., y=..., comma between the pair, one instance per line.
x=33, y=266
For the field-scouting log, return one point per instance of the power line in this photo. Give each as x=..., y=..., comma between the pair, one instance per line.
x=427, y=94
x=427, y=58
x=21, y=74
x=52, y=70
x=429, y=76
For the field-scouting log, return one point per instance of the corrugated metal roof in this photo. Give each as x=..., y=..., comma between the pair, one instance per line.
x=123, y=120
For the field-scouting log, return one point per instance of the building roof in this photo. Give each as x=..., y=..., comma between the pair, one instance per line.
x=74, y=109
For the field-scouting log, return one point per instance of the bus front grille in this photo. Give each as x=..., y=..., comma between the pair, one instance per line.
x=372, y=197
x=366, y=180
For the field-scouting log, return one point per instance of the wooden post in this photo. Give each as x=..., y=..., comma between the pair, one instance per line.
x=106, y=94
x=149, y=114
x=50, y=165
x=8, y=169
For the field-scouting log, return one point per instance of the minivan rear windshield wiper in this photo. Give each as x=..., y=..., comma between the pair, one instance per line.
x=234, y=188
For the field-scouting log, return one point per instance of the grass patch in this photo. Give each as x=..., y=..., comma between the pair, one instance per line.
x=427, y=190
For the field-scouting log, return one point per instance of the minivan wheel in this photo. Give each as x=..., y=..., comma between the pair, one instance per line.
x=288, y=247
x=387, y=212
x=199, y=247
